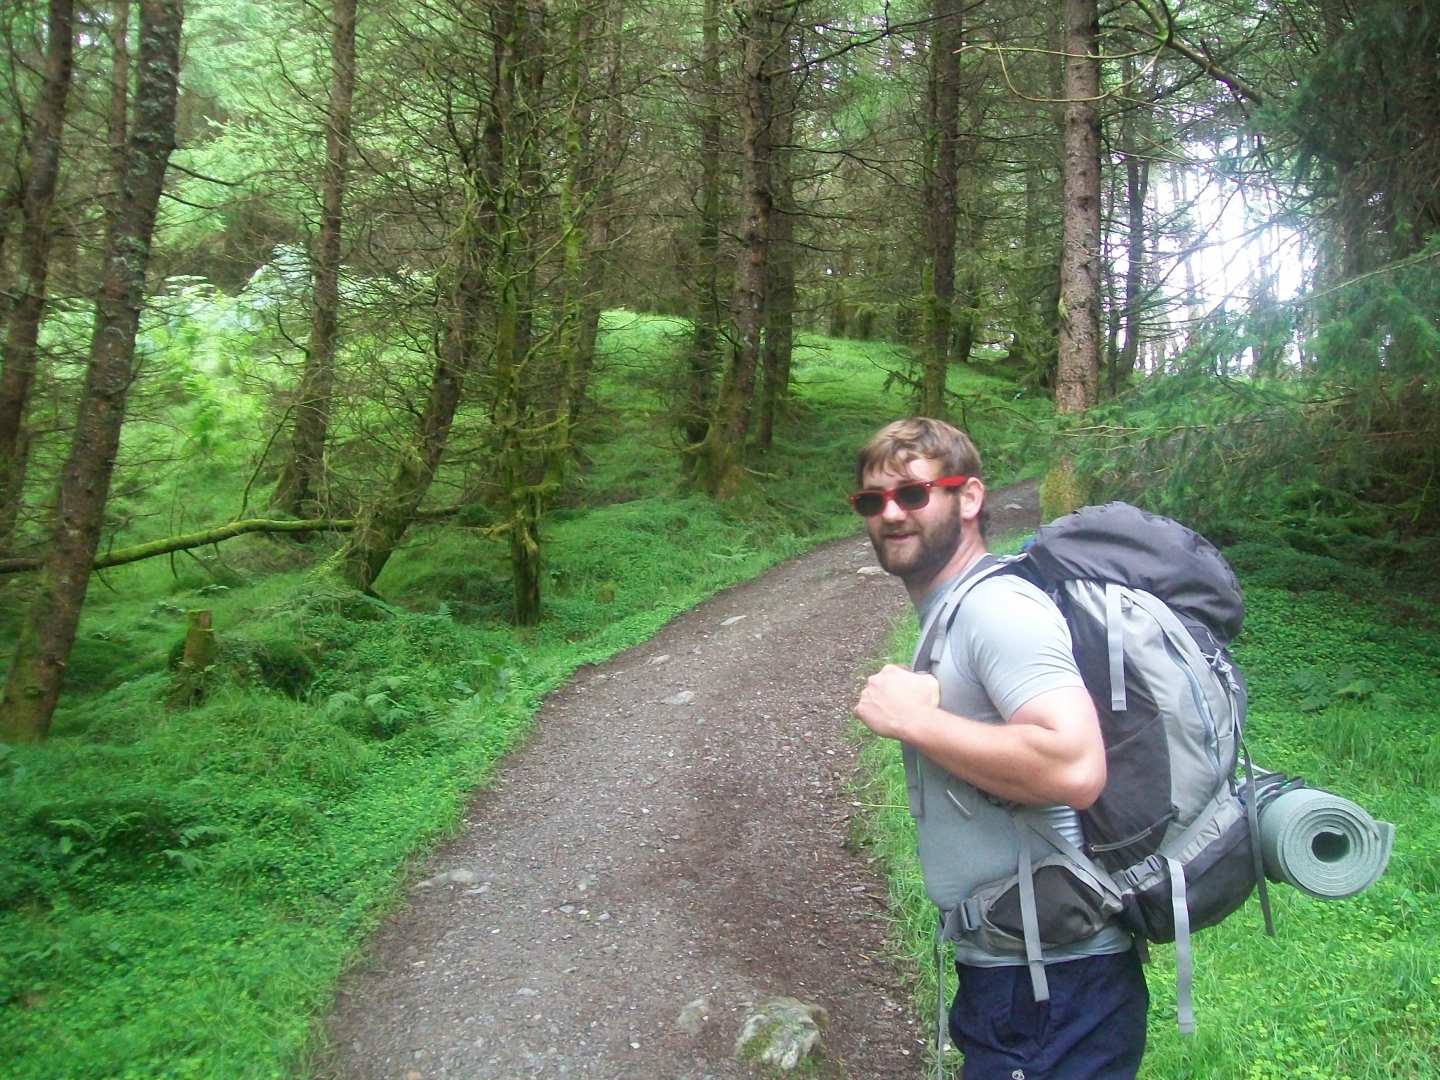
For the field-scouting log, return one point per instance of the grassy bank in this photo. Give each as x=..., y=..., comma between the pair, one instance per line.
x=1343, y=691
x=180, y=888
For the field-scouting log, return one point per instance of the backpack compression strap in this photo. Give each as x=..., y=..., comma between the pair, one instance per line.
x=1184, y=958
x=1221, y=666
x=1030, y=925
x=1115, y=646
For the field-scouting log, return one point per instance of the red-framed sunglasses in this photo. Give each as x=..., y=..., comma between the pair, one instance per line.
x=911, y=496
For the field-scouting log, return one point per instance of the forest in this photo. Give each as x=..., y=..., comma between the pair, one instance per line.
x=369, y=367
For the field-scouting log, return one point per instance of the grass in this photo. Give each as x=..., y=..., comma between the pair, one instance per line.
x=180, y=889
x=1343, y=693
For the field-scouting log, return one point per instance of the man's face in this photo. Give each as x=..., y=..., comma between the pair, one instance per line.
x=914, y=545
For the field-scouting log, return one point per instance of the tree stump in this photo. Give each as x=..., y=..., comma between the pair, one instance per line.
x=195, y=662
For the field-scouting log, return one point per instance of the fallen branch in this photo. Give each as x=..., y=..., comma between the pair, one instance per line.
x=173, y=544
x=149, y=550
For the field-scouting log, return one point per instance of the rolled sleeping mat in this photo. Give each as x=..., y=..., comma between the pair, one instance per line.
x=1322, y=844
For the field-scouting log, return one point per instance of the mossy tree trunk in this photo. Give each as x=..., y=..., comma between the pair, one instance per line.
x=195, y=661
x=383, y=523
x=780, y=289
x=48, y=630
x=943, y=190
x=1078, y=371
x=491, y=270
x=526, y=453
x=575, y=206
x=1134, y=145
x=607, y=124
x=705, y=345
x=1079, y=362
x=18, y=362
x=302, y=477
x=722, y=453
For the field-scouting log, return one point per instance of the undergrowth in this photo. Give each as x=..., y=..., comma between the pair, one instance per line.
x=181, y=887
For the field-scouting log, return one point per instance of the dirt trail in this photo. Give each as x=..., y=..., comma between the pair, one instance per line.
x=669, y=847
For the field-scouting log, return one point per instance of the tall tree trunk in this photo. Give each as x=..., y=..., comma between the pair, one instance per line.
x=117, y=122
x=780, y=290
x=523, y=471
x=383, y=524
x=779, y=321
x=1079, y=362
x=576, y=207
x=944, y=193
x=724, y=443
x=604, y=160
x=969, y=195
x=302, y=478
x=705, y=348
x=48, y=631
x=1137, y=189
x=17, y=372
x=481, y=272
x=1077, y=372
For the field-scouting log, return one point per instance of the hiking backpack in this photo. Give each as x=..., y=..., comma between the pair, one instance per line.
x=1171, y=846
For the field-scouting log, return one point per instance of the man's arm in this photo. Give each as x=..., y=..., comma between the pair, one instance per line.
x=1049, y=752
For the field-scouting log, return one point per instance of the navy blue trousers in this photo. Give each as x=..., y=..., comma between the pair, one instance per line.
x=1092, y=1028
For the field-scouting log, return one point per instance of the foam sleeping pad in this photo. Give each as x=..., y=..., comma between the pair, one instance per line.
x=1322, y=844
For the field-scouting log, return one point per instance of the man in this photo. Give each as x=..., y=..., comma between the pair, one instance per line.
x=1004, y=719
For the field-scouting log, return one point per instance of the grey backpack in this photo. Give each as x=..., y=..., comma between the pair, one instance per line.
x=1172, y=844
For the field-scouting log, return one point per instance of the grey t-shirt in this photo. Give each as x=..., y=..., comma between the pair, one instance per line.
x=1008, y=645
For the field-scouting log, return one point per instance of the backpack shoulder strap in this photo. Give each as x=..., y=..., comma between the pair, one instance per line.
x=937, y=626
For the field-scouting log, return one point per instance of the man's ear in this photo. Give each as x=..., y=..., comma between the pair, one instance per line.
x=972, y=499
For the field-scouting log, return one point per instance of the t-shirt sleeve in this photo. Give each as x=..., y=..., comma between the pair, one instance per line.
x=1017, y=642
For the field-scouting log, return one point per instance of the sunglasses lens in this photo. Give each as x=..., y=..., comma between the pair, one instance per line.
x=868, y=503
x=912, y=496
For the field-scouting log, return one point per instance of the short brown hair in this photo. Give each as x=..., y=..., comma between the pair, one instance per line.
x=897, y=444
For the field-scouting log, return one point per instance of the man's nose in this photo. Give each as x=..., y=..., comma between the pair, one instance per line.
x=892, y=511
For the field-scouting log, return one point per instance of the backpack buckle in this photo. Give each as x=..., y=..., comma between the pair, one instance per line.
x=963, y=918
x=1131, y=876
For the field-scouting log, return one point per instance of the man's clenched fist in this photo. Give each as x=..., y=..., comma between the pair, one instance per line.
x=893, y=697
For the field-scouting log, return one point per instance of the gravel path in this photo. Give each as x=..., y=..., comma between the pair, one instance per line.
x=670, y=847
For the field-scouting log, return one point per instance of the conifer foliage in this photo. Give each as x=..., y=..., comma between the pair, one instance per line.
x=417, y=212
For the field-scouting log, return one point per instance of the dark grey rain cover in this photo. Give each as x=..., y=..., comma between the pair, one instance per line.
x=1122, y=543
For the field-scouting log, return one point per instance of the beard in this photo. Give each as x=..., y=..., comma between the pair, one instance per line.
x=928, y=547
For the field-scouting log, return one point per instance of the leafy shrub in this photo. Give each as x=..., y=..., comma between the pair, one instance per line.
x=1276, y=564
